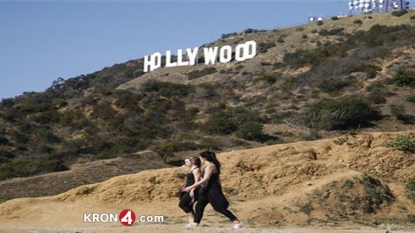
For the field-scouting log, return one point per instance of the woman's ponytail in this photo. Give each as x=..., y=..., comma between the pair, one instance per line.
x=211, y=157
x=216, y=161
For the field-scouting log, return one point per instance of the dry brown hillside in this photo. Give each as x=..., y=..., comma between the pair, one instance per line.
x=333, y=185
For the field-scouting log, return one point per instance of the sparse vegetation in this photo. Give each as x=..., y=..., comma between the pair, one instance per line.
x=342, y=113
x=410, y=98
x=263, y=47
x=251, y=131
x=399, y=13
x=228, y=190
x=87, y=190
x=199, y=73
x=398, y=111
x=410, y=190
x=306, y=208
x=181, y=175
x=153, y=180
x=341, y=140
x=410, y=184
x=335, y=31
x=402, y=142
x=358, y=21
x=349, y=184
x=404, y=78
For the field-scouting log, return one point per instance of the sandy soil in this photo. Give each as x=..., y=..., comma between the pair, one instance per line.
x=266, y=187
x=45, y=216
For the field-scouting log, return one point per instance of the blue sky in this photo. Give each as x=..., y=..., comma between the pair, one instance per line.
x=41, y=41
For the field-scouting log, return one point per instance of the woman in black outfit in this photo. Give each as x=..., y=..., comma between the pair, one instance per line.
x=212, y=191
x=187, y=199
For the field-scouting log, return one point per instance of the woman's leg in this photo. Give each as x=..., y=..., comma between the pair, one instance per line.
x=184, y=204
x=220, y=204
x=200, y=208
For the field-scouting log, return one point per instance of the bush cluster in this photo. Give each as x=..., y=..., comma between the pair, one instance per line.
x=199, y=73
x=342, y=113
x=402, y=142
x=263, y=47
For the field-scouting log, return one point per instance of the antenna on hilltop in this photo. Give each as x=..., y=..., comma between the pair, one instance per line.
x=371, y=6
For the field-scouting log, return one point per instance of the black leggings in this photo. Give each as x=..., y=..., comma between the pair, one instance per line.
x=215, y=197
x=185, y=201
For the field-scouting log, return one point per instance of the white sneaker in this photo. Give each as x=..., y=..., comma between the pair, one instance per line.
x=238, y=225
x=190, y=225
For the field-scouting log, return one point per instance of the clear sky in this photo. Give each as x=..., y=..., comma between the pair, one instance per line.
x=41, y=41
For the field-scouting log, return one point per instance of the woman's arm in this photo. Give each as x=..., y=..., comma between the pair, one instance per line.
x=196, y=174
x=205, y=179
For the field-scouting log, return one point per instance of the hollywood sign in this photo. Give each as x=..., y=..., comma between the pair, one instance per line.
x=243, y=51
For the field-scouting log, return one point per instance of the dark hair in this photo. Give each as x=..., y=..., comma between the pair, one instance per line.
x=211, y=157
x=195, y=161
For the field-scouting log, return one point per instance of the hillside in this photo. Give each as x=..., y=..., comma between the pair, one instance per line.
x=310, y=82
x=320, y=186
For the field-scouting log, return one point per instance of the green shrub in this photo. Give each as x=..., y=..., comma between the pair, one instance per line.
x=251, y=131
x=399, y=13
x=402, y=143
x=306, y=208
x=168, y=89
x=378, y=92
x=342, y=113
x=376, y=193
x=270, y=79
x=410, y=185
x=165, y=149
x=87, y=190
x=335, y=31
x=290, y=83
x=313, y=57
x=180, y=175
x=239, y=67
x=278, y=65
x=104, y=111
x=349, y=184
x=228, y=190
x=377, y=95
x=262, y=63
x=153, y=180
x=358, y=21
x=371, y=71
x=219, y=123
x=333, y=84
x=398, y=111
x=263, y=47
x=340, y=140
x=410, y=98
x=404, y=78
x=52, y=163
x=242, y=115
x=199, y=73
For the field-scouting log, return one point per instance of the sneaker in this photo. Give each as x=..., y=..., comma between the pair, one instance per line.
x=238, y=225
x=190, y=225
